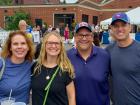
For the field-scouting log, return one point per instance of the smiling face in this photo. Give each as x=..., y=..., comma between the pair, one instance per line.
x=19, y=47
x=84, y=39
x=22, y=25
x=121, y=30
x=53, y=46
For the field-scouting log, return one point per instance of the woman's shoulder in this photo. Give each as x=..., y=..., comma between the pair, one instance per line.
x=66, y=77
x=65, y=73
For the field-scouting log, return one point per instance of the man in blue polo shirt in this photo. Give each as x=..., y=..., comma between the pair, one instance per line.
x=91, y=66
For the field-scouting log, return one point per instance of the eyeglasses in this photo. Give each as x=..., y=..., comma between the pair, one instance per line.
x=50, y=43
x=82, y=35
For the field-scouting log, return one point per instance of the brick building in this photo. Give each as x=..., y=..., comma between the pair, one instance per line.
x=58, y=14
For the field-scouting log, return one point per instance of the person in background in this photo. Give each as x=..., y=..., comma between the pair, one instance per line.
x=43, y=29
x=29, y=29
x=57, y=29
x=52, y=79
x=97, y=28
x=23, y=27
x=111, y=36
x=53, y=29
x=18, y=53
x=34, y=28
x=40, y=32
x=66, y=33
x=125, y=62
x=50, y=28
x=91, y=65
x=96, y=40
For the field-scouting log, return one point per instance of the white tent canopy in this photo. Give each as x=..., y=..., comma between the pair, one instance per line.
x=133, y=14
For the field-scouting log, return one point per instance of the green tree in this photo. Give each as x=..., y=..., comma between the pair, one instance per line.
x=12, y=21
x=6, y=2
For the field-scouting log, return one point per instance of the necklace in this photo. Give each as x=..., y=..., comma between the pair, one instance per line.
x=47, y=77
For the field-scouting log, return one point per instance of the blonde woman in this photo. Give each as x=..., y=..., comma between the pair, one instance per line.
x=52, y=82
x=18, y=52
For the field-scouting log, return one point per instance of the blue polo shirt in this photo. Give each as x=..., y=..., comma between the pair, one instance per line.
x=91, y=81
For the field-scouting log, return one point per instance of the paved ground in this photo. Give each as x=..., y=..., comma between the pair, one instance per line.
x=68, y=46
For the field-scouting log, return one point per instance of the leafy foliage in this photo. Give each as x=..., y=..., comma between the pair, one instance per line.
x=12, y=21
x=6, y=2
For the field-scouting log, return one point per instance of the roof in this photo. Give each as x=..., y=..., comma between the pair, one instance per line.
x=96, y=1
x=97, y=4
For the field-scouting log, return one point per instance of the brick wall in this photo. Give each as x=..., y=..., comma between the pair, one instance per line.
x=46, y=13
x=88, y=12
x=29, y=2
x=54, y=1
x=33, y=1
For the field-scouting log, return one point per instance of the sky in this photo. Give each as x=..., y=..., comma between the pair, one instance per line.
x=70, y=1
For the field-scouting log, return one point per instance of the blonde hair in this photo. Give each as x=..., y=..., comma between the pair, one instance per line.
x=7, y=45
x=62, y=60
x=22, y=22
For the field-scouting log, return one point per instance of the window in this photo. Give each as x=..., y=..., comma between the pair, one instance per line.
x=85, y=18
x=95, y=20
x=18, y=2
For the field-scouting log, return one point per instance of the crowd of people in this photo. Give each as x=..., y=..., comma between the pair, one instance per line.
x=84, y=75
x=66, y=31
